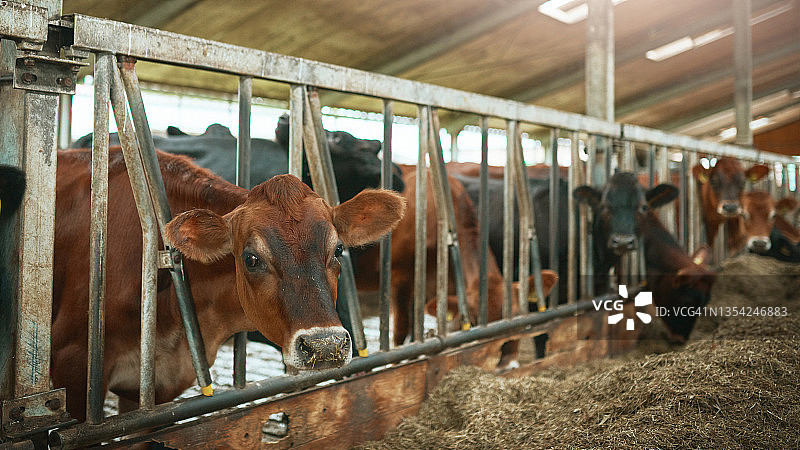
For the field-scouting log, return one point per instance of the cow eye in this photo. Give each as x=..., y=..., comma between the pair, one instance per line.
x=251, y=261
x=644, y=208
x=338, y=252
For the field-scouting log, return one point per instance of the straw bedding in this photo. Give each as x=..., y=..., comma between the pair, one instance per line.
x=735, y=384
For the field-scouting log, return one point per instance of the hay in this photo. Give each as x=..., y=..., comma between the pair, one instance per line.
x=737, y=387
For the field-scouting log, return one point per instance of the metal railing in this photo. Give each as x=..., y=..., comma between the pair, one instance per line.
x=608, y=145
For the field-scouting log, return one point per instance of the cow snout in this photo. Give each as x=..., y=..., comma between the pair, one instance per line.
x=729, y=209
x=319, y=349
x=622, y=243
x=758, y=244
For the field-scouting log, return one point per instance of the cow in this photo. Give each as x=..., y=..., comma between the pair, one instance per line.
x=619, y=210
x=356, y=164
x=403, y=245
x=471, y=169
x=765, y=231
x=720, y=189
x=262, y=259
x=12, y=187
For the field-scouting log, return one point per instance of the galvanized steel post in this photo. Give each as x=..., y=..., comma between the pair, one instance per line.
x=555, y=176
x=508, y=219
x=483, y=212
x=385, y=284
x=420, y=225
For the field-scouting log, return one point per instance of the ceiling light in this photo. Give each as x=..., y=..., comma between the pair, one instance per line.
x=568, y=11
x=754, y=125
x=687, y=43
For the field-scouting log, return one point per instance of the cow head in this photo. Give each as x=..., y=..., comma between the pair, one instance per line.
x=355, y=161
x=12, y=186
x=726, y=180
x=619, y=208
x=760, y=213
x=285, y=241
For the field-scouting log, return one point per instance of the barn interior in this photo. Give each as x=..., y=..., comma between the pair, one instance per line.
x=674, y=61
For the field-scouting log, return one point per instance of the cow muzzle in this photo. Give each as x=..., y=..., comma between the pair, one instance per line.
x=319, y=348
x=622, y=243
x=729, y=209
x=758, y=244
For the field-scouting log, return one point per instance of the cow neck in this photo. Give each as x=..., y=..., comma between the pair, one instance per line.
x=662, y=251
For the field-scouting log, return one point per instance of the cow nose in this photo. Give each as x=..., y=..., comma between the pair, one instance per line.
x=622, y=242
x=730, y=208
x=758, y=244
x=319, y=349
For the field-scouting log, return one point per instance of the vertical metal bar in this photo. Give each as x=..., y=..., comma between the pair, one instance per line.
x=442, y=226
x=525, y=221
x=651, y=166
x=773, y=179
x=296, y=100
x=28, y=140
x=243, y=180
x=743, y=69
x=98, y=230
x=322, y=175
x=684, y=222
x=572, y=251
x=483, y=211
x=126, y=78
x=554, y=207
x=385, y=286
x=446, y=211
x=587, y=269
x=784, y=180
x=420, y=225
x=508, y=219
x=600, y=60
x=667, y=212
x=693, y=212
x=65, y=121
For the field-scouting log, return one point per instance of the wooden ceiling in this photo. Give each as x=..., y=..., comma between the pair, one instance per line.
x=504, y=48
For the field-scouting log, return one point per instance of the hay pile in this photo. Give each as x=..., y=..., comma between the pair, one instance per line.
x=737, y=387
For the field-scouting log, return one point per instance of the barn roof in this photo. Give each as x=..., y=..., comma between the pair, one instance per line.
x=503, y=48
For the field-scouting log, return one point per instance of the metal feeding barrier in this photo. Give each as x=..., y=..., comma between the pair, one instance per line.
x=42, y=51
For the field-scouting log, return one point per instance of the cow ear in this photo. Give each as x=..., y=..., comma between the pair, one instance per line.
x=661, y=195
x=756, y=172
x=588, y=195
x=201, y=235
x=549, y=280
x=700, y=174
x=786, y=205
x=368, y=216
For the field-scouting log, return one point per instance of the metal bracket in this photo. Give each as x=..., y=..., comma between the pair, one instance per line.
x=165, y=259
x=46, y=73
x=34, y=413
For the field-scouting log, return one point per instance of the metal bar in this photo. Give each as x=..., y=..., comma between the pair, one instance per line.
x=773, y=180
x=447, y=211
x=157, y=45
x=554, y=207
x=65, y=121
x=784, y=180
x=693, y=212
x=126, y=77
x=587, y=270
x=483, y=211
x=243, y=180
x=572, y=255
x=98, y=231
x=420, y=225
x=683, y=199
x=148, y=222
x=168, y=413
x=667, y=212
x=385, y=285
x=600, y=59
x=508, y=219
x=525, y=221
x=322, y=176
x=743, y=71
x=296, y=100
x=24, y=21
x=28, y=136
x=442, y=225
x=651, y=166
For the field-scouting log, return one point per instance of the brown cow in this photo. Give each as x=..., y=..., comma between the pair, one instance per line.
x=720, y=189
x=471, y=169
x=403, y=244
x=263, y=259
x=763, y=225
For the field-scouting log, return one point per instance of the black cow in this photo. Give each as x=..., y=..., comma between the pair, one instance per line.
x=540, y=194
x=12, y=186
x=355, y=161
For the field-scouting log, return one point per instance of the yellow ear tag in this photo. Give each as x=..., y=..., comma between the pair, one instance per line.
x=703, y=178
x=208, y=391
